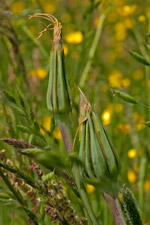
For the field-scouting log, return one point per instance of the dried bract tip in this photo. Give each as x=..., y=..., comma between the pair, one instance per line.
x=54, y=25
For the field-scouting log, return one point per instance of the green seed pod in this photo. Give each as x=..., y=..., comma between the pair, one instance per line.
x=139, y=58
x=58, y=92
x=124, y=96
x=98, y=155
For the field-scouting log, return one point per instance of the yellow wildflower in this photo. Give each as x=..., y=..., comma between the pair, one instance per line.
x=131, y=176
x=127, y=10
x=128, y=23
x=141, y=18
x=49, y=8
x=125, y=128
x=115, y=78
x=147, y=185
x=120, y=31
x=17, y=7
x=126, y=82
x=65, y=49
x=138, y=74
x=57, y=133
x=106, y=117
x=120, y=197
x=132, y=153
x=90, y=188
x=40, y=73
x=75, y=37
x=148, y=83
x=47, y=123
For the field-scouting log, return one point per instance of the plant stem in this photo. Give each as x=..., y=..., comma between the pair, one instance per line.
x=92, y=50
x=115, y=208
x=19, y=198
x=64, y=126
x=84, y=196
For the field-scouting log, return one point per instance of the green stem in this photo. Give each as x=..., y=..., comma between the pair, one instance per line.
x=84, y=196
x=115, y=208
x=18, y=197
x=92, y=50
x=64, y=126
x=141, y=180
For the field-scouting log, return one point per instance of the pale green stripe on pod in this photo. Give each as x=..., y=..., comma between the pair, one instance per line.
x=54, y=90
x=50, y=83
x=81, y=150
x=88, y=157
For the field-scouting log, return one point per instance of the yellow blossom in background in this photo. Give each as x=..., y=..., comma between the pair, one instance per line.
x=125, y=128
x=106, y=117
x=115, y=78
x=141, y=18
x=65, y=49
x=138, y=75
x=147, y=186
x=90, y=188
x=127, y=10
x=118, y=107
x=57, y=134
x=132, y=153
x=126, y=82
x=138, y=119
x=17, y=7
x=49, y=8
x=131, y=176
x=120, y=31
x=148, y=83
x=128, y=23
x=47, y=123
x=120, y=197
x=40, y=73
x=75, y=37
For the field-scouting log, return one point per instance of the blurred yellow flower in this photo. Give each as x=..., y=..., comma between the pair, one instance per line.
x=138, y=75
x=40, y=73
x=131, y=176
x=127, y=10
x=120, y=31
x=132, y=153
x=75, y=37
x=118, y=107
x=148, y=83
x=115, y=78
x=141, y=18
x=120, y=197
x=17, y=7
x=47, y=123
x=128, y=23
x=106, y=117
x=147, y=185
x=57, y=134
x=125, y=128
x=65, y=49
x=49, y=8
x=126, y=82
x=90, y=188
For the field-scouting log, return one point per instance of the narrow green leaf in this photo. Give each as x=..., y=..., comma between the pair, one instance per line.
x=139, y=58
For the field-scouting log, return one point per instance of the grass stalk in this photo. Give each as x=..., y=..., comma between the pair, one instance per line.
x=92, y=50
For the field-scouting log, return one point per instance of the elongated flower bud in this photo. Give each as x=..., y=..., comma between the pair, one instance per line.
x=58, y=93
x=99, y=157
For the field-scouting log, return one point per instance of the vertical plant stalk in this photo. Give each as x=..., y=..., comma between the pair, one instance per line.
x=115, y=208
x=18, y=197
x=92, y=50
x=142, y=171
